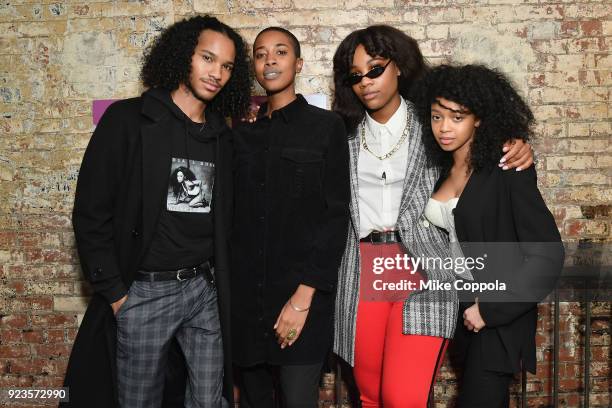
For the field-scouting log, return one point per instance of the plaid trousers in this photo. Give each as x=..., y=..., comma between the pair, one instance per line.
x=152, y=315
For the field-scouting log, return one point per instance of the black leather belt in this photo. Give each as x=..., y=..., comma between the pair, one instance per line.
x=382, y=237
x=179, y=274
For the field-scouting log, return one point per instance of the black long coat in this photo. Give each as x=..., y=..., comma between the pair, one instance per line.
x=118, y=200
x=503, y=214
x=291, y=217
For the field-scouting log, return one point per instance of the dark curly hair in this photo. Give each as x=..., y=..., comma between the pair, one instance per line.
x=486, y=93
x=378, y=41
x=167, y=63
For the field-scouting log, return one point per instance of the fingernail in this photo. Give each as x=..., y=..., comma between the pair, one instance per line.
x=518, y=169
x=505, y=168
x=502, y=160
x=505, y=149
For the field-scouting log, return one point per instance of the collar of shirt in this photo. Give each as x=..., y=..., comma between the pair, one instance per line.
x=391, y=131
x=288, y=112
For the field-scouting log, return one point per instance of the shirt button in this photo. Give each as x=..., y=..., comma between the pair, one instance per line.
x=426, y=223
x=261, y=218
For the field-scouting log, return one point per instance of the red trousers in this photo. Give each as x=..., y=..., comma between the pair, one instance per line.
x=392, y=370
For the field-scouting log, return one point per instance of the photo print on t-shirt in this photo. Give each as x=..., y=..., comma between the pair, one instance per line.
x=191, y=186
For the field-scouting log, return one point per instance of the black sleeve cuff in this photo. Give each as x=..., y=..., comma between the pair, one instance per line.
x=112, y=291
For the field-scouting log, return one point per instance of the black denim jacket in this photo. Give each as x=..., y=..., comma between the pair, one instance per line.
x=291, y=186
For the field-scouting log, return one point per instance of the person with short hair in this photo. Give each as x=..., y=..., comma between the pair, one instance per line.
x=291, y=215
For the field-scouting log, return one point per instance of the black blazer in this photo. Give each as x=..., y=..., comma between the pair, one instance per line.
x=506, y=207
x=117, y=204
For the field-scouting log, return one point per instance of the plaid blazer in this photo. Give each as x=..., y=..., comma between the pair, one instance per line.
x=429, y=313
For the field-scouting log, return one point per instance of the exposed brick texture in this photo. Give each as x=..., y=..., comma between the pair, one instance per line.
x=56, y=57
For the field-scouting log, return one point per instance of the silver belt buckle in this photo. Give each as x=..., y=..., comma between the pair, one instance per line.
x=178, y=273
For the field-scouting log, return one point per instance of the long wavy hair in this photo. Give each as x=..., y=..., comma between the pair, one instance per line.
x=486, y=93
x=378, y=41
x=167, y=63
x=174, y=183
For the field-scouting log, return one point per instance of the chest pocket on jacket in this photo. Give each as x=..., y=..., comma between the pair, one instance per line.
x=301, y=172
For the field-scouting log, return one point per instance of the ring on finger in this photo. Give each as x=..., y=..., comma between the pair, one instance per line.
x=291, y=334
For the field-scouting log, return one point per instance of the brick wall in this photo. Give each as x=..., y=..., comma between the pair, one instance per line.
x=56, y=57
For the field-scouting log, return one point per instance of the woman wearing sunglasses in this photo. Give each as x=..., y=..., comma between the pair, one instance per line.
x=394, y=339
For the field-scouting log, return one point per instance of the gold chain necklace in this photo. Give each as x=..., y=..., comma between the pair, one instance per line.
x=395, y=148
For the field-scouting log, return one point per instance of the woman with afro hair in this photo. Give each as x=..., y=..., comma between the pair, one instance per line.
x=467, y=113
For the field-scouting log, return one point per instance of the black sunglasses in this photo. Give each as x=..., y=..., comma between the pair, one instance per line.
x=355, y=78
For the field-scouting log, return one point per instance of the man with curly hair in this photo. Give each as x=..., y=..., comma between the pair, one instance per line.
x=157, y=265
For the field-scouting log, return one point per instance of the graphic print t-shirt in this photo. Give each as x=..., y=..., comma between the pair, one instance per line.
x=184, y=233
x=191, y=186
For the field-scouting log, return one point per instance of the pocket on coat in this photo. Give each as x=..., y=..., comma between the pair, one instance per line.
x=302, y=172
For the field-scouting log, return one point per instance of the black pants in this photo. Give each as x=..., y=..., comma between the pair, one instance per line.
x=296, y=385
x=482, y=388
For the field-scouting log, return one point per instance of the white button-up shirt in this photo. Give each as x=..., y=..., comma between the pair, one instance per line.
x=381, y=181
